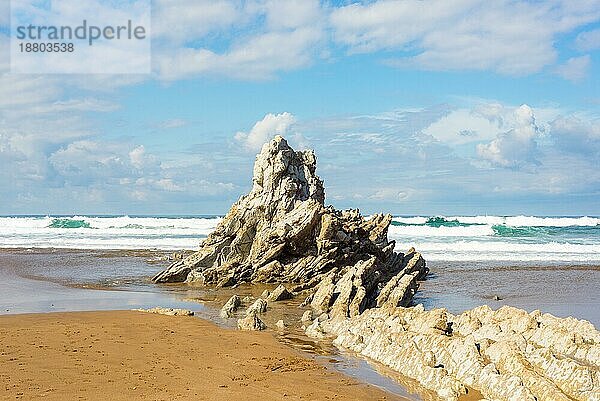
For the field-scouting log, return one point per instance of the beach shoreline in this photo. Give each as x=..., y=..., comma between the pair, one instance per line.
x=563, y=289
x=58, y=280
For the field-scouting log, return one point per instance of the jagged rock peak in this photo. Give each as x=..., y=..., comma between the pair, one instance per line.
x=281, y=173
x=281, y=232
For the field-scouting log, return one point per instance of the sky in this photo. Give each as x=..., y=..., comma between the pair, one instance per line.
x=413, y=108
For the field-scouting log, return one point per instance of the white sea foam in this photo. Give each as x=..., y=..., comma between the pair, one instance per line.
x=123, y=232
x=427, y=231
x=411, y=220
x=529, y=221
x=474, y=239
x=465, y=250
x=513, y=221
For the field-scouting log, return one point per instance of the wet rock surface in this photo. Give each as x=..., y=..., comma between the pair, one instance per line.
x=230, y=307
x=251, y=322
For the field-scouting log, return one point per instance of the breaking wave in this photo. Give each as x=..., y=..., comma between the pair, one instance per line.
x=503, y=238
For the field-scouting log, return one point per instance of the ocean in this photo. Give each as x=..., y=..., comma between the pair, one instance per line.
x=507, y=239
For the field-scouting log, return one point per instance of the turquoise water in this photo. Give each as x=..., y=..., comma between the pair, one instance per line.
x=553, y=239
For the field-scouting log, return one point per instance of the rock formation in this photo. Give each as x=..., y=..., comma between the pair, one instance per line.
x=251, y=322
x=282, y=232
x=358, y=287
x=259, y=306
x=507, y=355
x=230, y=307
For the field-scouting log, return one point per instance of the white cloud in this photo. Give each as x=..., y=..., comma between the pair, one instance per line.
x=4, y=13
x=265, y=129
x=588, y=41
x=137, y=156
x=105, y=56
x=86, y=162
x=463, y=126
x=4, y=53
x=392, y=195
x=514, y=148
x=575, y=69
x=510, y=37
x=257, y=58
x=292, y=14
x=181, y=21
x=250, y=40
x=19, y=91
x=75, y=105
x=575, y=135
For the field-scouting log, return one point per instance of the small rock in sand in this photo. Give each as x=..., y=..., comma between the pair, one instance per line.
x=307, y=316
x=259, y=306
x=279, y=294
x=230, y=307
x=251, y=322
x=167, y=311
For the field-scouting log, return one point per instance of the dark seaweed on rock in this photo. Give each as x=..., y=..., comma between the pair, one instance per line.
x=282, y=232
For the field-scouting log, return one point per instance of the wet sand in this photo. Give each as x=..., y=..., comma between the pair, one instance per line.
x=50, y=280
x=127, y=355
x=560, y=289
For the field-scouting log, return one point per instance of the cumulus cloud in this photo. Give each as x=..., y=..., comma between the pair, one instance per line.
x=463, y=126
x=91, y=162
x=242, y=40
x=575, y=69
x=257, y=40
x=265, y=129
x=514, y=148
x=510, y=37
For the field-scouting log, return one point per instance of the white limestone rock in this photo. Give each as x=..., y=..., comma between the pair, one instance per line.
x=251, y=322
x=506, y=355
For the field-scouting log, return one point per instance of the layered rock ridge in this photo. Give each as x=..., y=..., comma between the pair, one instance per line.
x=282, y=232
x=505, y=355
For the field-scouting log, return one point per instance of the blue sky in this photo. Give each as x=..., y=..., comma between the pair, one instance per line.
x=413, y=107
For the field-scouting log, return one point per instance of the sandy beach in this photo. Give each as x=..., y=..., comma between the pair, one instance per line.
x=127, y=355
x=63, y=281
